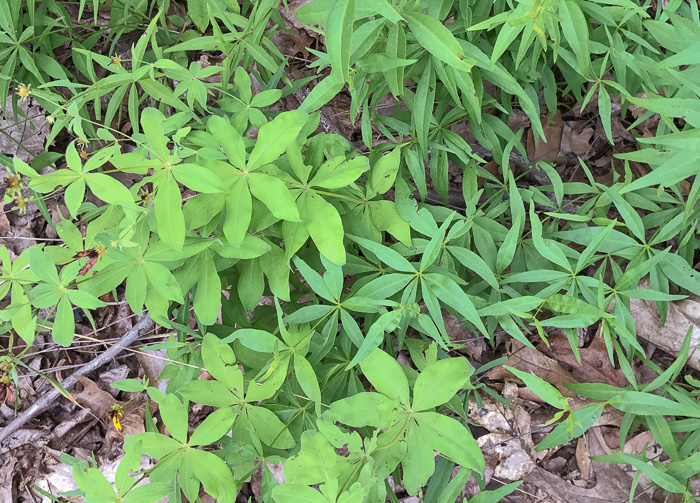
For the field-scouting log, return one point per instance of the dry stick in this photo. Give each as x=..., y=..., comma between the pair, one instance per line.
x=144, y=325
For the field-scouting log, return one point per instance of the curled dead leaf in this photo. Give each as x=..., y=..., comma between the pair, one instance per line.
x=682, y=315
x=531, y=360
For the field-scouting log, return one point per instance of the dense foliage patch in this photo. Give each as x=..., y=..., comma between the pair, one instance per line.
x=231, y=198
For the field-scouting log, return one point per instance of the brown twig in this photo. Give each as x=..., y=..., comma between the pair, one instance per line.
x=143, y=326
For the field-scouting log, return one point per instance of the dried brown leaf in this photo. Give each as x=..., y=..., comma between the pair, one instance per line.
x=546, y=151
x=531, y=360
x=682, y=315
x=595, y=363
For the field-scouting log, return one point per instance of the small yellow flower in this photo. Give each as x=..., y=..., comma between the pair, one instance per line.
x=24, y=91
x=101, y=250
x=146, y=197
x=5, y=380
x=116, y=415
x=12, y=182
x=50, y=119
x=115, y=61
x=21, y=203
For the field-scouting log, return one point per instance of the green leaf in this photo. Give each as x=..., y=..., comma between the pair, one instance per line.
x=384, y=286
x=339, y=172
x=239, y=208
x=42, y=265
x=221, y=364
x=152, y=123
x=657, y=475
x=63, y=324
x=229, y=139
x=574, y=305
x=450, y=438
x=541, y=388
x=251, y=247
x=419, y=462
x=451, y=294
x=93, y=482
x=549, y=250
x=423, y=105
x=681, y=273
x=605, y=108
x=85, y=300
x=160, y=278
x=383, y=173
x=439, y=382
x=197, y=11
x=296, y=493
x=109, y=190
x=586, y=417
x=387, y=255
x=386, y=323
x=131, y=385
x=362, y=409
x=211, y=393
x=674, y=169
x=434, y=247
x=386, y=218
x=325, y=228
x=207, y=300
x=438, y=40
x=70, y=235
x=308, y=381
x=215, y=425
x=269, y=428
x=379, y=63
x=148, y=493
x=315, y=281
x=474, y=262
x=275, y=195
x=74, y=195
x=386, y=375
x=129, y=463
x=197, y=178
x=648, y=404
x=168, y=208
x=628, y=213
x=156, y=445
x=322, y=93
x=506, y=251
x=174, y=416
x=496, y=495
x=314, y=464
x=215, y=476
x=274, y=137
x=575, y=31
x=339, y=25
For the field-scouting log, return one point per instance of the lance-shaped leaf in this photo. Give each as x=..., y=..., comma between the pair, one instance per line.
x=439, y=382
x=239, y=208
x=152, y=122
x=325, y=228
x=274, y=194
x=339, y=172
x=449, y=292
x=438, y=40
x=274, y=137
x=168, y=207
x=339, y=25
x=231, y=141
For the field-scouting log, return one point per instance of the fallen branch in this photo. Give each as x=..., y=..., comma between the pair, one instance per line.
x=144, y=325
